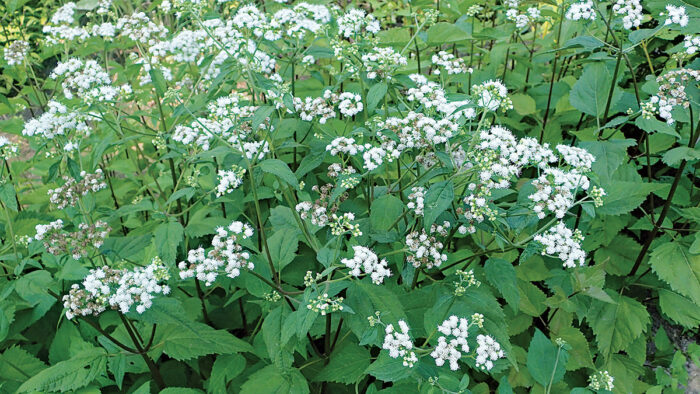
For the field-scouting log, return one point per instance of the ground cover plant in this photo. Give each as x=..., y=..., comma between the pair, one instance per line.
x=355, y=196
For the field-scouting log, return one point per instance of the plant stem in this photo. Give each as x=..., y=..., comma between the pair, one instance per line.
x=554, y=69
x=155, y=373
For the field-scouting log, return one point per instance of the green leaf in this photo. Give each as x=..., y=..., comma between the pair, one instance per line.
x=680, y=309
x=617, y=325
x=225, y=368
x=501, y=274
x=375, y=95
x=624, y=196
x=546, y=362
x=590, y=93
x=609, y=155
x=16, y=364
x=167, y=237
x=158, y=81
x=281, y=170
x=180, y=390
x=199, y=340
x=675, y=156
x=69, y=375
x=7, y=196
x=348, y=364
x=260, y=115
x=443, y=32
x=388, y=369
x=283, y=246
x=273, y=380
x=523, y=104
x=385, y=210
x=673, y=264
x=437, y=199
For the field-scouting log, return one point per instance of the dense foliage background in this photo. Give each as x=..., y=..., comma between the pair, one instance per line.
x=353, y=196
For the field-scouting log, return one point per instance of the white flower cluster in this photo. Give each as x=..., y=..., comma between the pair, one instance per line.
x=671, y=93
x=692, y=44
x=427, y=93
x=139, y=27
x=601, y=380
x=560, y=242
x=578, y=158
x=677, y=15
x=556, y=191
x=354, y=21
x=226, y=254
x=487, y=351
x=350, y=104
x=366, y=260
x=381, y=62
x=492, y=95
x=16, y=52
x=324, y=304
x=311, y=108
x=399, y=344
x=229, y=180
x=374, y=157
x=229, y=121
x=56, y=121
x=69, y=193
x=449, y=63
x=87, y=80
x=631, y=11
x=582, y=10
x=424, y=248
x=76, y=244
x=416, y=200
x=8, y=149
x=345, y=145
x=416, y=131
x=120, y=289
x=452, y=343
x=522, y=20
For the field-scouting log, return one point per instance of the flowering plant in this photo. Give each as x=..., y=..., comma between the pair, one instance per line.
x=290, y=196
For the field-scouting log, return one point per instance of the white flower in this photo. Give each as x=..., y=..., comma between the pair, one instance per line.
x=631, y=11
x=487, y=352
x=676, y=14
x=455, y=330
x=581, y=11
x=399, y=344
x=417, y=200
x=692, y=44
x=367, y=261
x=559, y=241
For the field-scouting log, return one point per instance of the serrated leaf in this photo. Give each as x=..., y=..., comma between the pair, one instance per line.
x=281, y=170
x=590, y=93
x=225, y=368
x=673, y=264
x=437, y=199
x=546, y=361
x=501, y=274
x=624, y=196
x=200, y=340
x=273, y=380
x=348, y=364
x=617, y=325
x=167, y=237
x=283, y=246
x=388, y=369
x=375, y=95
x=16, y=364
x=69, y=375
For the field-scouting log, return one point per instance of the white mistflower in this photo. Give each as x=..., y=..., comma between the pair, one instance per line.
x=365, y=260
x=399, y=344
x=560, y=242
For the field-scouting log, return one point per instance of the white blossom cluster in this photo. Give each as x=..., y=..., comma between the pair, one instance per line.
x=429, y=94
x=399, y=343
x=424, y=248
x=355, y=22
x=324, y=304
x=229, y=121
x=556, y=191
x=522, y=20
x=415, y=131
x=139, y=27
x=416, y=200
x=119, y=289
x=449, y=63
x=631, y=11
x=692, y=44
x=87, y=80
x=56, y=121
x=8, y=149
x=229, y=180
x=487, y=351
x=16, y=52
x=560, y=242
x=676, y=15
x=346, y=146
x=672, y=93
x=578, y=158
x=226, y=254
x=381, y=62
x=70, y=192
x=350, y=104
x=374, y=157
x=315, y=108
x=492, y=95
x=452, y=343
x=77, y=244
x=365, y=260
x=601, y=380
x=582, y=10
